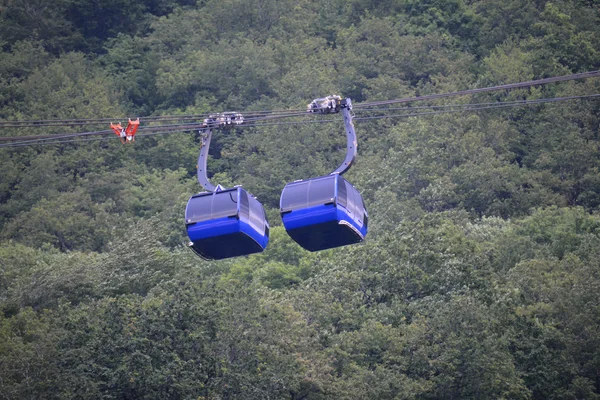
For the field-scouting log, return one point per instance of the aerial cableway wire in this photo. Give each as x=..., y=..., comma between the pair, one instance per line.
x=419, y=114
x=460, y=108
x=103, y=132
x=509, y=86
x=178, y=129
x=198, y=117
x=258, y=114
x=166, y=129
x=188, y=127
x=97, y=121
x=48, y=141
x=359, y=106
x=508, y=103
x=94, y=139
x=466, y=107
x=248, y=117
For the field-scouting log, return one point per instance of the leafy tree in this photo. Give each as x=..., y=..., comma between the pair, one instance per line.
x=28, y=351
x=70, y=221
x=132, y=64
x=35, y=20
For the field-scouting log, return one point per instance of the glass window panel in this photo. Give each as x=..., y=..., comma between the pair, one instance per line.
x=321, y=191
x=350, y=195
x=224, y=204
x=364, y=210
x=342, y=198
x=357, y=204
x=198, y=209
x=360, y=212
x=294, y=196
x=257, y=216
x=266, y=221
x=360, y=208
x=244, y=206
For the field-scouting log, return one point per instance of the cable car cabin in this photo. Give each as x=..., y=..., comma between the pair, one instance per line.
x=226, y=223
x=322, y=213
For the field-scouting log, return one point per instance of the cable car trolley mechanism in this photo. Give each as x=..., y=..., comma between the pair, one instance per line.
x=326, y=212
x=223, y=120
x=326, y=105
x=223, y=223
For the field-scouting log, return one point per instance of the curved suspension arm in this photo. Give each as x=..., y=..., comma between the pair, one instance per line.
x=346, y=106
x=202, y=159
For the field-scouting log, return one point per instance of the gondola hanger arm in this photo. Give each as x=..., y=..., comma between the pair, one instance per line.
x=206, y=135
x=351, y=143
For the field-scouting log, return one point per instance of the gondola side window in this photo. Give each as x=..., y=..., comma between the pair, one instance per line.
x=257, y=216
x=224, y=204
x=199, y=209
x=267, y=229
x=321, y=191
x=358, y=213
x=365, y=215
x=358, y=203
x=351, y=198
x=244, y=206
x=294, y=197
x=342, y=195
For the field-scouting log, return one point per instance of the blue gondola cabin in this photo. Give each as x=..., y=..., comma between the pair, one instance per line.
x=226, y=223
x=322, y=213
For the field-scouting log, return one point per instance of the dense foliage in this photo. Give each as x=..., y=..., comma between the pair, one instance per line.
x=479, y=279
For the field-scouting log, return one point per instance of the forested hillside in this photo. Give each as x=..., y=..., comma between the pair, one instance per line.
x=480, y=275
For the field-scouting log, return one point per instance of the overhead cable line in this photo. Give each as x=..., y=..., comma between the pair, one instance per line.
x=59, y=139
x=191, y=126
x=583, y=75
x=51, y=139
x=94, y=133
x=76, y=140
x=508, y=103
x=157, y=118
x=187, y=128
x=34, y=143
x=487, y=106
x=57, y=122
x=465, y=108
x=365, y=106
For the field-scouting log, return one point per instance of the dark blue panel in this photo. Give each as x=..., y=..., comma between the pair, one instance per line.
x=226, y=246
x=211, y=228
x=322, y=227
